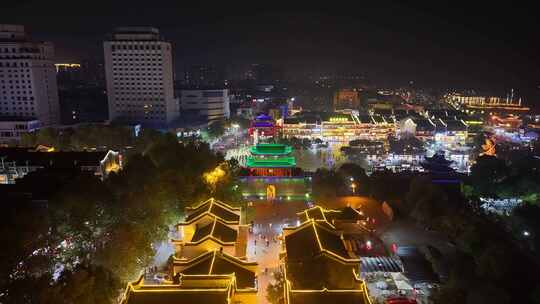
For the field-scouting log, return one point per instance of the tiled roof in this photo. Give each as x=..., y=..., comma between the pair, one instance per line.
x=213, y=207
x=330, y=215
x=216, y=229
x=328, y=296
x=313, y=238
x=216, y=263
x=191, y=289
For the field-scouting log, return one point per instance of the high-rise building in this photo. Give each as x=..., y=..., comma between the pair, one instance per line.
x=139, y=73
x=202, y=75
x=211, y=104
x=28, y=86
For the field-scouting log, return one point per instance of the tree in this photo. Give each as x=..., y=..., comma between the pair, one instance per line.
x=326, y=184
x=357, y=173
x=103, y=232
x=275, y=289
x=24, y=257
x=487, y=174
x=425, y=200
x=216, y=128
x=85, y=284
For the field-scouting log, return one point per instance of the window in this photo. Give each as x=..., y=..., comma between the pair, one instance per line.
x=213, y=94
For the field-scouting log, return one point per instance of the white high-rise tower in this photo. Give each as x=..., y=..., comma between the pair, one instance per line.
x=139, y=72
x=27, y=78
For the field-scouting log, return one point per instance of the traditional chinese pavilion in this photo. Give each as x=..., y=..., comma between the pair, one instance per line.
x=271, y=173
x=264, y=125
x=438, y=164
x=271, y=160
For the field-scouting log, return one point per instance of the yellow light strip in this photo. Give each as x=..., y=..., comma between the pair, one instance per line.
x=204, y=214
x=317, y=236
x=212, y=263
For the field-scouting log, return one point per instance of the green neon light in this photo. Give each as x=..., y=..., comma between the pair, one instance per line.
x=270, y=149
x=271, y=163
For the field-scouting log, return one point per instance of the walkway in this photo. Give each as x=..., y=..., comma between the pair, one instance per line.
x=263, y=244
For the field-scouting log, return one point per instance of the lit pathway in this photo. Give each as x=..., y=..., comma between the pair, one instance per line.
x=266, y=256
x=164, y=249
x=269, y=221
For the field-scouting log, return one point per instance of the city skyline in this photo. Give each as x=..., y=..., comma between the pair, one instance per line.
x=469, y=46
x=381, y=153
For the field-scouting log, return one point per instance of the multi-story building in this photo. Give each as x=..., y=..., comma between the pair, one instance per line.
x=337, y=127
x=27, y=77
x=333, y=272
x=487, y=104
x=209, y=265
x=210, y=104
x=12, y=128
x=211, y=225
x=139, y=73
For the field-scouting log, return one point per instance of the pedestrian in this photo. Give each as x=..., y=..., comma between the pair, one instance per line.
x=255, y=242
x=267, y=243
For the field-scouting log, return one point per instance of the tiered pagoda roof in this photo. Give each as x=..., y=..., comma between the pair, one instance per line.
x=281, y=162
x=318, y=213
x=332, y=273
x=190, y=289
x=212, y=275
x=217, y=230
x=219, y=263
x=438, y=164
x=214, y=208
x=271, y=156
x=270, y=149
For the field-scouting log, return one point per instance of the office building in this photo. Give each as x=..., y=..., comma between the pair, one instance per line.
x=210, y=104
x=139, y=73
x=12, y=128
x=28, y=86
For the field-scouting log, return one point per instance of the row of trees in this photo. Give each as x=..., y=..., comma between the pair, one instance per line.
x=493, y=177
x=490, y=264
x=330, y=183
x=93, y=236
x=118, y=138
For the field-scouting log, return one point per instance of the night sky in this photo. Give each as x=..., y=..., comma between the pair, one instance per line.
x=492, y=47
